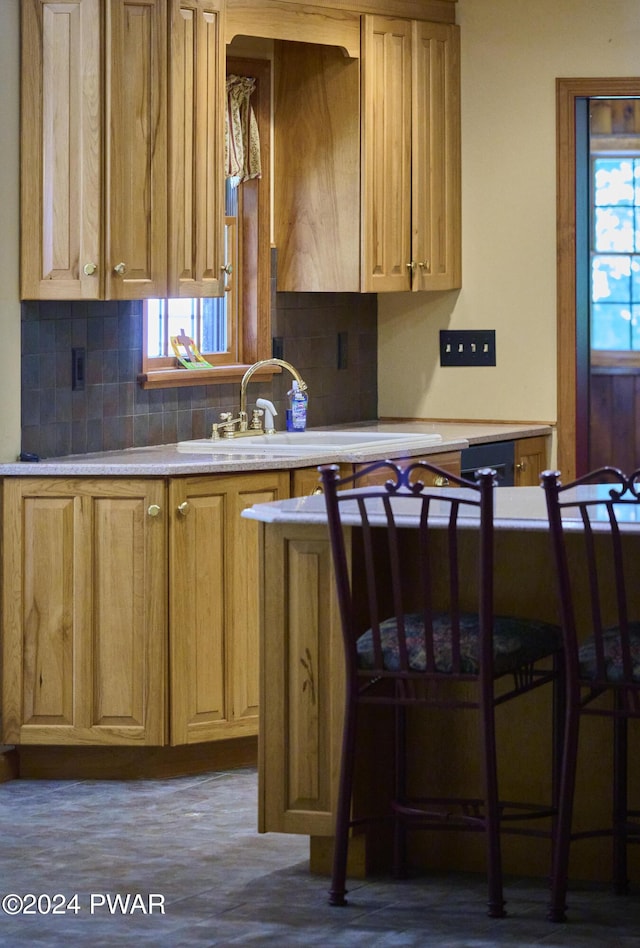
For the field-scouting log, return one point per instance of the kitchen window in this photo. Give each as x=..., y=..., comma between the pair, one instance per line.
x=233, y=331
x=212, y=323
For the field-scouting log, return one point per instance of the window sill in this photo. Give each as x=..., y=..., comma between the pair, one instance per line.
x=218, y=375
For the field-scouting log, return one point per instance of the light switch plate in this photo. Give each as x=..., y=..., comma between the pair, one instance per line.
x=467, y=347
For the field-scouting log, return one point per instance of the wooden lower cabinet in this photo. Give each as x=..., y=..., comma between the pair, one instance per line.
x=306, y=480
x=214, y=604
x=84, y=611
x=130, y=609
x=530, y=461
x=449, y=462
x=302, y=652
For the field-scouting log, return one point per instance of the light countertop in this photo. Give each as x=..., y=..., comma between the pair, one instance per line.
x=169, y=460
x=516, y=508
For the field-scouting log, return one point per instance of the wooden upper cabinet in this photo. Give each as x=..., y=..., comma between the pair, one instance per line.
x=136, y=152
x=367, y=160
x=386, y=150
x=122, y=179
x=61, y=149
x=196, y=159
x=411, y=155
x=435, y=149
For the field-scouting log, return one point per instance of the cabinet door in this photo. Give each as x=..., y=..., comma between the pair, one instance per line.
x=386, y=149
x=84, y=611
x=303, y=682
x=435, y=215
x=61, y=147
x=530, y=461
x=214, y=604
x=196, y=137
x=136, y=151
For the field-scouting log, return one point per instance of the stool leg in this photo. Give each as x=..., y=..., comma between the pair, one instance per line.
x=620, y=729
x=338, y=889
x=492, y=813
x=400, y=793
x=562, y=836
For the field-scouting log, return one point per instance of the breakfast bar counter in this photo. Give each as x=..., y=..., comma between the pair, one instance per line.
x=302, y=693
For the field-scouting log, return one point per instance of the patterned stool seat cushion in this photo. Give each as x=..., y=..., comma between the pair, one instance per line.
x=612, y=654
x=516, y=642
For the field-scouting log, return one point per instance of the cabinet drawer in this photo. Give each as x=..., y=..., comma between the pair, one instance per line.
x=448, y=461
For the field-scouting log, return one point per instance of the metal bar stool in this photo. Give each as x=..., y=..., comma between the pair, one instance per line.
x=591, y=520
x=412, y=638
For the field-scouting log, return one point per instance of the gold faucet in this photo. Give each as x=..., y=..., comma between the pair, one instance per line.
x=228, y=424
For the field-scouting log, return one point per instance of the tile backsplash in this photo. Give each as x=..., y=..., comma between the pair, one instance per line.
x=113, y=412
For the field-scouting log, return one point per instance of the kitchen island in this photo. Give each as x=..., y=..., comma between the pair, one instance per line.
x=302, y=688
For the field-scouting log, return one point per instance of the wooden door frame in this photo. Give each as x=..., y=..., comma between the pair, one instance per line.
x=573, y=377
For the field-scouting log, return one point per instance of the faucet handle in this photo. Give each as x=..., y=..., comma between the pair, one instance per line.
x=256, y=423
x=228, y=423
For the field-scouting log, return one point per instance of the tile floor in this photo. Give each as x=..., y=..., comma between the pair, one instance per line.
x=192, y=841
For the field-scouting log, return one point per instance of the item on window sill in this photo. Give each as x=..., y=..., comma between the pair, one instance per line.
x=187, y=352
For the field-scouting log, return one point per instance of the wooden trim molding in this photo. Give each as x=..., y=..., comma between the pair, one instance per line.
x=615, y=359
x=572, y=377
x=179, y=378
x=438, y=11
x=334, y=23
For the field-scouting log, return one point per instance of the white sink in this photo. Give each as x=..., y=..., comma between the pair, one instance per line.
x=288, y=443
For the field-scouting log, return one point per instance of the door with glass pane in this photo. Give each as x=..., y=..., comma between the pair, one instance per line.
x=614, y=281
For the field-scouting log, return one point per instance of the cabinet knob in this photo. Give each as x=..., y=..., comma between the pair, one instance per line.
x=153, y=510
x=183, y=508
x=89, y=269
x=424, y=264
x=521, y=465
x=120, y=268
x=227, y=268
x=412, y=266
x=440, y=481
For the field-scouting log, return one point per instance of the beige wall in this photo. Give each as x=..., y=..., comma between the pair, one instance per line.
x=9, y=233
x=511, y=53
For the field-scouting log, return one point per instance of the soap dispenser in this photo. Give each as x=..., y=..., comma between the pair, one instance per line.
x=297, y=413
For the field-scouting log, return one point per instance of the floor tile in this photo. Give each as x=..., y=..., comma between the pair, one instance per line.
x=193, y=841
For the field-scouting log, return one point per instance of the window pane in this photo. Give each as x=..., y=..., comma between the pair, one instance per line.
x=214, y=325
x=613, y=182
x=611, y=279
x=615, y=268
x=183, y=318
x=635, y=279
x=635, y=326
x=155, y=328
x=610, y=327
x=636, y=181
x=614, y=229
